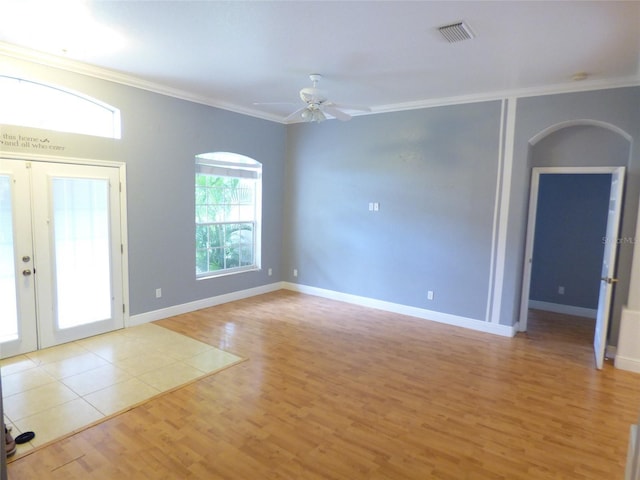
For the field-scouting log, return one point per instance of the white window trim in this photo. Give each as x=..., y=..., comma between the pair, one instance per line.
x=239, y=166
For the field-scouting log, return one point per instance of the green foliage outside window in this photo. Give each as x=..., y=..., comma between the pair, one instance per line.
x=225, y=223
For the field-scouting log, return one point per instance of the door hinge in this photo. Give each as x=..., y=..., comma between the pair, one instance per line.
x=120, y=187
x=121, y=248
x=123, y=311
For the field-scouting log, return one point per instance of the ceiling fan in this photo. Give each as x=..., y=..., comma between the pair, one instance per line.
x=317, y=104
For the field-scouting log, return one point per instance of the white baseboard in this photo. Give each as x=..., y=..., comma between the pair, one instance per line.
x=626, y=363
x=628, y=352
x=471, y=323
x=565, y=309
x=200, y=304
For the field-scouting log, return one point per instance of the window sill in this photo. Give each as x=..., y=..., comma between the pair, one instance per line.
x=225, y=273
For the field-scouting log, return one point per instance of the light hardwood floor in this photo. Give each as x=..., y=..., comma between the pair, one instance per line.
x=58, y=390
x=336, y=391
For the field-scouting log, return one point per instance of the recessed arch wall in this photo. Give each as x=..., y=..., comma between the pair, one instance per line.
x=583, y=122
x=557, y=124
x=580, y=146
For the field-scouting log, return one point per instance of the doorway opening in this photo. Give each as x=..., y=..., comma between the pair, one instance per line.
x=62, y=258
x=574, y=216
x=571, y=222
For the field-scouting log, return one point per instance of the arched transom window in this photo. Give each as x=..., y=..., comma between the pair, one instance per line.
x=32, y=104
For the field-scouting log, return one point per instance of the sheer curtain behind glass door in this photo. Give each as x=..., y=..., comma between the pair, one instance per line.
x=82, y=252
x=8, y=306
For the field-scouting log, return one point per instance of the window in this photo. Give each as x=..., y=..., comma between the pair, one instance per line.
x=32, y=104
x=228, y=213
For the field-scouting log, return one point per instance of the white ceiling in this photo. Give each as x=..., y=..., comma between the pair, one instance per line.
x=388, y=55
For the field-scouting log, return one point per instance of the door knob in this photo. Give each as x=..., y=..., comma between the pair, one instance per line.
x=26, y=272
x=26, y=258
x=609, y=280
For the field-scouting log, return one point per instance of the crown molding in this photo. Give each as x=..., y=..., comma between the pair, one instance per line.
x=25, y=54
x=21, y=53
x=584, y=86
x=632, y=81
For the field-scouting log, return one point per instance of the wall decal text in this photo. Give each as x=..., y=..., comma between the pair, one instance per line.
x=28, y=142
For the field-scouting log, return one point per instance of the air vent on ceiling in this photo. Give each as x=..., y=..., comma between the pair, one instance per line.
x=456, y=32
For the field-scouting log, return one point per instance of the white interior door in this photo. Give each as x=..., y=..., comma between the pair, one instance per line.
x=528, y=255
x=69, y=228
x=17, y=286
x=608, y=279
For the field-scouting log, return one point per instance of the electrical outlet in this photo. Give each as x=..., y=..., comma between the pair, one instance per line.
x=158, y=292
x=561, y=290
x=270, y=272
x=430, y=295
x=295, y=272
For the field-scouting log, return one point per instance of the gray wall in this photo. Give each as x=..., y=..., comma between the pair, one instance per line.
x=433, y=172
x=615, y=107
x=571, y=221
x=160, y=137
x=159, y=146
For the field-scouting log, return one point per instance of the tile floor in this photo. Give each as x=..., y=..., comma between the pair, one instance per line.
x=64, y=388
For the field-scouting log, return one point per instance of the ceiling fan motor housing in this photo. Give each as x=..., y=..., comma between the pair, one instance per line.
x=317, y=104
x=313, y=95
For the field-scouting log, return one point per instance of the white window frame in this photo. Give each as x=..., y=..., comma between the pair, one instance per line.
x=232, y=165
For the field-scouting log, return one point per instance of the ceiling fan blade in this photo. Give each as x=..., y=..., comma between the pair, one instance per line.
x=333, y=111
x=257, y=104
x=349, y=107
x=295, y=114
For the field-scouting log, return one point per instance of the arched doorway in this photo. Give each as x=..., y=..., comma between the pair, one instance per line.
x=577, y=148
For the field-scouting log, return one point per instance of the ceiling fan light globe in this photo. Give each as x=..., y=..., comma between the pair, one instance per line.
x=307, y=115
x=318, y=116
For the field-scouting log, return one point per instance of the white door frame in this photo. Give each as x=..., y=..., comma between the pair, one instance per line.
x=22, y=260
x=531, y=226
x=122, y=171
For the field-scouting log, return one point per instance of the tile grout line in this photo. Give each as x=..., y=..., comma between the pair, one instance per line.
x=158, y=342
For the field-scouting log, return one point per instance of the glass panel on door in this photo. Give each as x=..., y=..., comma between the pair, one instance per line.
x=17, y=292
x=8, y=293
x=60, y=237
x=76, y=231
x=81, y=251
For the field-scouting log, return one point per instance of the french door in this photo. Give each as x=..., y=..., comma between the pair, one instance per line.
x=60, y=254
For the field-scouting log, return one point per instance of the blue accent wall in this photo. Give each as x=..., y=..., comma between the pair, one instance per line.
x=608, y=141
x=571, y=222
